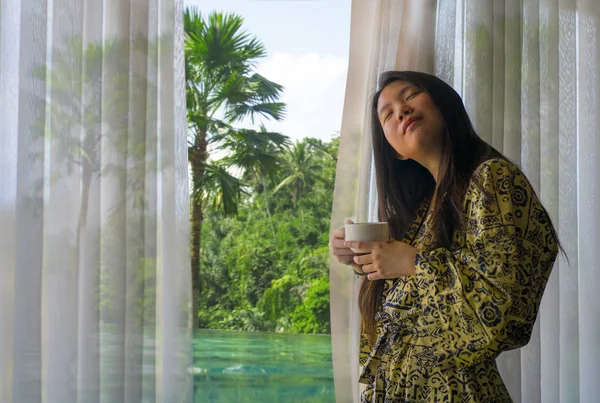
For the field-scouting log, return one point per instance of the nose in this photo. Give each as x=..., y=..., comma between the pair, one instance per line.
x=404, y=111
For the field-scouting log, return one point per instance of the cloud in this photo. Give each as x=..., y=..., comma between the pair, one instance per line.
x=314, y=92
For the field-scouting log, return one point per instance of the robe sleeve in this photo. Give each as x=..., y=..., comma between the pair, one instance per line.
x=483, y=298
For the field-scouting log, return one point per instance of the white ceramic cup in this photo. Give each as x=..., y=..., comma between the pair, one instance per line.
x=367, y=232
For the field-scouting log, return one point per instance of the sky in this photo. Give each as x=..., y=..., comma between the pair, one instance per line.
x=307, y=52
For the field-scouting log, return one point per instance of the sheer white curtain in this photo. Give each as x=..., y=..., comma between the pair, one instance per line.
x=94, y=213
x=528, y=73
x=384, y=35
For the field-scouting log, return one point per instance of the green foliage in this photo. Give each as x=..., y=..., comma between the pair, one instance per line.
x=269, y=272
x=278, y=300
x=222, y=89
x=261, y=212
x=313, y=315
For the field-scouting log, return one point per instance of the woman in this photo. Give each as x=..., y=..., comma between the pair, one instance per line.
x=472, y=249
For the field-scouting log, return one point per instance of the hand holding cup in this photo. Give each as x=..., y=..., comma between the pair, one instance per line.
x=367, y=232
x=343, y=254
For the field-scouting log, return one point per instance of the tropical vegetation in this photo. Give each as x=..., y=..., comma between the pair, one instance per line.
x=260, y=204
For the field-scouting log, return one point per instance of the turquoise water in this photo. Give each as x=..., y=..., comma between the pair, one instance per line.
x=244, y=367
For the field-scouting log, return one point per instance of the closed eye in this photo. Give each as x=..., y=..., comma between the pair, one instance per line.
x=413, y=95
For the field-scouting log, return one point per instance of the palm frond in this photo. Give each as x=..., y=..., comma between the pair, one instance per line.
x=219, y=189
x=272, y=110
x=284, y=183
x=259, y=153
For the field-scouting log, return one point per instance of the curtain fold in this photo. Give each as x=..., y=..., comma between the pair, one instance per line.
x=528, y=73
x=94, y=208
x=384, y=34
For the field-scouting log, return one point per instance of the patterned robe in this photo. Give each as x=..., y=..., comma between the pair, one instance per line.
x=439, y=331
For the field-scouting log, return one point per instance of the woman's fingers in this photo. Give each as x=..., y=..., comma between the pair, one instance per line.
x=337, y=247
x=339, y=233
x=342, y=252
x=369, y=268
x=374, y=275
x=345, y=259
x=364, y=259
x=363, y=245
x=348, y=261
x=338, y=243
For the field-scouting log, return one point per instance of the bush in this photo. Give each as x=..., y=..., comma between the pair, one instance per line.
x=312, y=316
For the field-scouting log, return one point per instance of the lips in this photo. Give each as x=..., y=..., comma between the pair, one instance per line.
x=408, y=123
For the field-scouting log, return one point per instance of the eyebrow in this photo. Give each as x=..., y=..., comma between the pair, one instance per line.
x=399, y=95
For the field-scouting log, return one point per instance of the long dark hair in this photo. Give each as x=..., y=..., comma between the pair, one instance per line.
x=403, y=185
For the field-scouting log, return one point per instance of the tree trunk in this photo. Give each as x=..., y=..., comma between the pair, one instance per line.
x=197, y=158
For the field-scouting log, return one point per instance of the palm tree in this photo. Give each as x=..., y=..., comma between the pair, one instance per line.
x=258, y=154
x=301, y=170
x=222, y=88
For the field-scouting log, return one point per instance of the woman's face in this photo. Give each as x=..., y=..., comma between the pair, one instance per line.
x=411, y=122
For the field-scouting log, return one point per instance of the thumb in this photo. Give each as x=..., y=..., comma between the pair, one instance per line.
x=349, y=221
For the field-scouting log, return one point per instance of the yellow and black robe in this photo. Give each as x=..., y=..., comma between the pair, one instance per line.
x=439, y=331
